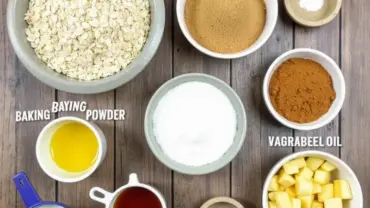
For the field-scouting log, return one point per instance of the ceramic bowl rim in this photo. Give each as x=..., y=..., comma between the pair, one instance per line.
x=199, y=170
x=91, y=170
x=63, y=83
x=292, y=156
x=269, y=27
x=221, y=199
x=309, y=23
x=293, y=125
x=134, y=182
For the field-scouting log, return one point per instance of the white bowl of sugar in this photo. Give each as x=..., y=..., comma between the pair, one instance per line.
x=195, y=124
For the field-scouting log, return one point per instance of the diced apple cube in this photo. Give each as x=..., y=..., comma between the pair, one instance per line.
x=283, y=200
x=326, y=193
x=306, y=172
x=314, y=163
x=281, y=171
x=317, y=204
x=290, y=169
x=322, y=177
x=303, y=187
x=274, y=186
x=291, y=191
x=296, y=203
x=307, y=201
x=299, y=162
x=342, y=189
x=272, y=196
x=286, y=180
x=297, y=176
x=273, y=205
x=327, y=167
x=333, y=203
x=316, y=188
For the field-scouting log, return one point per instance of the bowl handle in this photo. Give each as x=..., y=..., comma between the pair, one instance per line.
x=106, y=196
x=133, y=179
x=26, y=190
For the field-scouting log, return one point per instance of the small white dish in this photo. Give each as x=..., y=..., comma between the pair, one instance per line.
x=271, y=18
x=343, y=172
x=108, y=199
x=319, y=18
x=44, y=157
x=338, y=84
x=222, y=202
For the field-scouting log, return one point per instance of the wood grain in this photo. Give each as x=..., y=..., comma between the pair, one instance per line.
x=132, y=152
x=76, y=195
x=20, y=91
x=32, y=95
x=192, y=191
x=356, y=111
x=8, y=141
x=253, y=163
x=327, y=40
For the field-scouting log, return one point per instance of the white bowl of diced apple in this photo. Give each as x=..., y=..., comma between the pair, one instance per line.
x=312, y=179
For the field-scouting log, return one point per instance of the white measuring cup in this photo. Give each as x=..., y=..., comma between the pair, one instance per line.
x=109, y=199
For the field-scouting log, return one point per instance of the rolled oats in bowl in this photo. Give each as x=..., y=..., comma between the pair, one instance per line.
x=87, y=39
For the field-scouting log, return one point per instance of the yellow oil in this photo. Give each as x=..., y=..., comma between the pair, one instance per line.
x=74, y=147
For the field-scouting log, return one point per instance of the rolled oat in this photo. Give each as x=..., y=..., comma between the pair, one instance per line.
x=87, y=39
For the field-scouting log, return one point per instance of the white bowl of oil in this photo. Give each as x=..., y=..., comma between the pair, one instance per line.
x=70, y=149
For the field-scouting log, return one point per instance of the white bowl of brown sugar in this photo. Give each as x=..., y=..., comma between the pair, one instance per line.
x=304, y=89
x=227, y=29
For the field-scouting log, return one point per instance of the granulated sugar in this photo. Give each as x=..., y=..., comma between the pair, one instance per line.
x=195, y=123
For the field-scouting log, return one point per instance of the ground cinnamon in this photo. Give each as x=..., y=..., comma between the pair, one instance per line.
x=301, y=90
x=225, y=26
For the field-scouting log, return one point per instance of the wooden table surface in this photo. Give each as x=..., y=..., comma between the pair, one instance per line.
x=346, y=40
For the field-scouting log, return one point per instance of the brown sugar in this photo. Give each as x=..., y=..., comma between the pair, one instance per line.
x=301, y=90
x=225, y=26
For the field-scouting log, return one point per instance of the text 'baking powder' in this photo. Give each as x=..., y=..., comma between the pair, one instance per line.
x=195, y=123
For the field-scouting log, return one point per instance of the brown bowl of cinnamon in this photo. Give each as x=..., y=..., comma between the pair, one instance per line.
x=304, y=89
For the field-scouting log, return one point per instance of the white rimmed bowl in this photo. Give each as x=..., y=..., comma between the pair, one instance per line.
x=271, y=18
x=44, y=157
x=313, y=19
x=343, y=172
x=338, y=83
x=109, y=199
x=229, y=154
x=26, y=54
x=222, y=202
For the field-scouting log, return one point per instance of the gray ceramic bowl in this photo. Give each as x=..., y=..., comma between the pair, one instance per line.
x=16, y=29
x=231, y=152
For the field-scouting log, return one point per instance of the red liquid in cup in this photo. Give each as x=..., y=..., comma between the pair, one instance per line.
x=137, y=197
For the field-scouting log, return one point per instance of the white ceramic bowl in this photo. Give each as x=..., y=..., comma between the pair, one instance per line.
x=222, y=202
x=229, y=154
x=343, y=172
x=26, y=54
x=44, y=157
x=109, y=199
x=338, y=84
x=271, y=18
